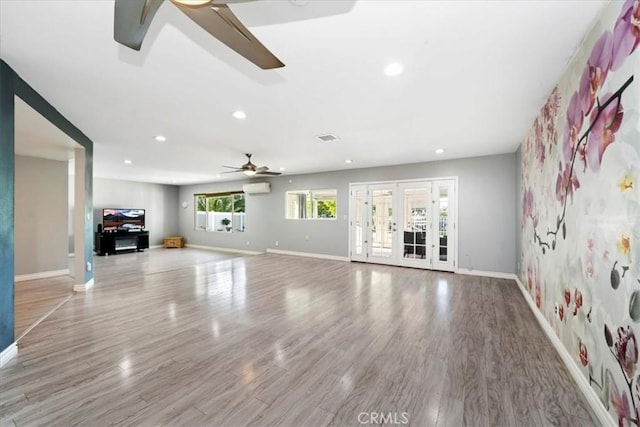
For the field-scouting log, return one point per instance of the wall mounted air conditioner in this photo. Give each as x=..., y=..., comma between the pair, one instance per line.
x=257, y=188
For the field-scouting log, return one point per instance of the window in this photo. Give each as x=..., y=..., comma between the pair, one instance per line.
x=311, y=204
x=222, y=212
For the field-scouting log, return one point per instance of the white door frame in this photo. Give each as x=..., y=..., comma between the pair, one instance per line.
x=358, y=227
x=398, y=259
x=425, y=262
x=383, y=229
x=449, y=263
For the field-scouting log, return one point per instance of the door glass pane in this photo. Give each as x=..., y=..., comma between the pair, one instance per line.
x=359, y=222
x=443, y=222
x=415, y=223
x=382, y=226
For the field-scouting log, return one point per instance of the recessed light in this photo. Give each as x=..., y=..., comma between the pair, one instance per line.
x=218, y=176
x=440, y=151
x=127, y=162
x=348, y=161
x=393, y=69
x=239, y=115
x=161, y=138
x=281, y=169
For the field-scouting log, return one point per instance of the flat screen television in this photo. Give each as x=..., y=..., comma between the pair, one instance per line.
x=123, y=219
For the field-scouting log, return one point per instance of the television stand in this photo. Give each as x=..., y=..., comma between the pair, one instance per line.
x=112, y=242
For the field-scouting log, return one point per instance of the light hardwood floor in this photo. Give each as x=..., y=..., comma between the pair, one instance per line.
x=187, y=337
x=35, y=299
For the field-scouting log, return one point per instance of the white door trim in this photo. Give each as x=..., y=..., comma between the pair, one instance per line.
x=396, y=184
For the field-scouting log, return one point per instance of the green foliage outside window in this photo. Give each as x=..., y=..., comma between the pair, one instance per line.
x=210, y=206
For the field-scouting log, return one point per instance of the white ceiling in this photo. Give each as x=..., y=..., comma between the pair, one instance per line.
x=37, y=137
x=475, y=75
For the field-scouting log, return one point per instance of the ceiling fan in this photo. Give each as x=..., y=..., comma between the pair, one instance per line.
x=250, y=169
x=133, y=18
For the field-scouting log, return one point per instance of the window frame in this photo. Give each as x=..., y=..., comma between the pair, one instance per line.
x=210, y=225
x=313, y=205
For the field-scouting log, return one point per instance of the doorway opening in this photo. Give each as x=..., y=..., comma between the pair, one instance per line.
x=405, y=223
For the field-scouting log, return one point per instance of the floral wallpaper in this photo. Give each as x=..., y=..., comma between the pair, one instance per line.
x=580, y=226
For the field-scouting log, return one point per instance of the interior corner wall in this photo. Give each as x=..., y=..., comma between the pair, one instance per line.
x=486, y=211
x=41, y=208
x=159, y=201
x=70, y=210
x=12, y=85
x=579, y=210
x=518, y=213
x=7, y=135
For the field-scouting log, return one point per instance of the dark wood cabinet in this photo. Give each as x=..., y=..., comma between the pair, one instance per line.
x=110, y=243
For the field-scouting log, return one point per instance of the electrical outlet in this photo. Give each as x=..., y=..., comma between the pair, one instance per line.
x=248, y=243
x=306, y=237
x=277, y=243
x=88, y=266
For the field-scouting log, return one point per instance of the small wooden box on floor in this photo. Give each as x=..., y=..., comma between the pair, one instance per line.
x=173, y=242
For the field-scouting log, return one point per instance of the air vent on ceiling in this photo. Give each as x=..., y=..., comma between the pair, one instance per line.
x=327, y=137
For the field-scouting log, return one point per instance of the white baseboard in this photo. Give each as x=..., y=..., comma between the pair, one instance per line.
x=213, y=248
x=72, y=255
x=155, y=246
x=495, y=274
x=583, y=384
x=8, y=354
x=83, y=287
x=41, y=275
x=308, y=254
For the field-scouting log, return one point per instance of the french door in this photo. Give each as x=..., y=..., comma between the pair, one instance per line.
x=416, y=224
x=409, y=223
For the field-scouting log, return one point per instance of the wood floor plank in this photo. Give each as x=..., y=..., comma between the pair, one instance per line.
x=34, y=299
x=190, y=337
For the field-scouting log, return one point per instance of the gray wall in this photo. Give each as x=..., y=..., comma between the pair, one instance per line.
x=519, y=211
x=159, y=201
x=41, y=215
x=486, y=212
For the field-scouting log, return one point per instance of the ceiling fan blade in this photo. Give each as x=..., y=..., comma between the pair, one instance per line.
x=221, y=23
x=268, y=173
x=232, y=167
x=222, y=2
x=262, y=169
x=132, y=19
x=237, y=170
